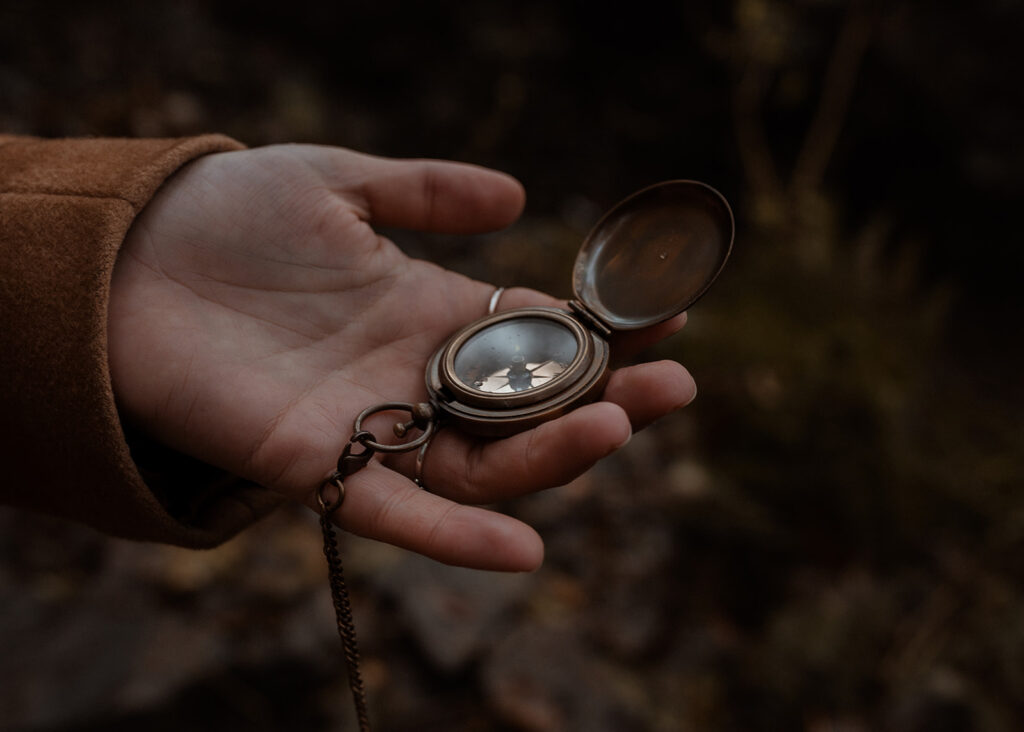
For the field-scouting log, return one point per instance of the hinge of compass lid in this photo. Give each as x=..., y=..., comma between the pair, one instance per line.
x=589, y=318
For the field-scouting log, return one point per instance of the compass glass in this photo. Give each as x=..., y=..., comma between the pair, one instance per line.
x=515, y=355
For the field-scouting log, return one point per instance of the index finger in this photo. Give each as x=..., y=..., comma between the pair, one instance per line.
x=426, y=195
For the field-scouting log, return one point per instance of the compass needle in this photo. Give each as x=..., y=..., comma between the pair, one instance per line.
x=548, y=370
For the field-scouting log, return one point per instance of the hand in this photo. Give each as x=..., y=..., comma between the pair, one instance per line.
x=254, y=312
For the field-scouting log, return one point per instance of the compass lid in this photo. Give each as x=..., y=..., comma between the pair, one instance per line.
x=654, y=254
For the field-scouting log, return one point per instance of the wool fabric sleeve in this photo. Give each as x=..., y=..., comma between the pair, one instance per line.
x=65, y=208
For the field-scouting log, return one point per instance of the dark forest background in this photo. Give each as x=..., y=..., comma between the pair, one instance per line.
x=830, y=538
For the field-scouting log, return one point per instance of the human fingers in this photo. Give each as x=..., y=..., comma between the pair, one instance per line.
x=427, y=195
x=649, y=391
x=381, y=504
x=470, y=470
x=628, y=343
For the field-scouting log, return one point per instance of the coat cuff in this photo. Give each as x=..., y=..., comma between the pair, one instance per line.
x=65, y=208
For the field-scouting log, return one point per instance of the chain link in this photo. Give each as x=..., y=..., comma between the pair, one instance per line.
x=343, y=613
x=424, y=418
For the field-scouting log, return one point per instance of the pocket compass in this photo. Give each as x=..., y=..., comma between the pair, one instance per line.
x=648, y=259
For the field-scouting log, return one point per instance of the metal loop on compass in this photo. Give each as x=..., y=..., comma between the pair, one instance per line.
x=424, y=417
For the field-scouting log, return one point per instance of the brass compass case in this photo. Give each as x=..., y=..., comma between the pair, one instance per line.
x=648, y=259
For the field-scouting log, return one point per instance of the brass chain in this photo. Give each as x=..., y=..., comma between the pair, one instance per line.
x=423, y=418
x=346, y=626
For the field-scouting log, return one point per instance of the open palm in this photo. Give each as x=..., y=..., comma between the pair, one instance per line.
x=255, y=312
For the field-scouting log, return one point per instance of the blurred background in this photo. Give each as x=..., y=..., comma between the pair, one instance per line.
x=830, y=538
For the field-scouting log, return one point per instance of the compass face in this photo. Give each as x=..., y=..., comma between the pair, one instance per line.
x=516, y=369
x=515, y=356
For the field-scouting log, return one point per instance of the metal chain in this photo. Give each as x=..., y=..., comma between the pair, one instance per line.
x=423, y=418
x=343, y=613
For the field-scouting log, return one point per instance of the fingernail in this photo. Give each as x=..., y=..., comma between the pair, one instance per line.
x=629, y=436
x=689, y=401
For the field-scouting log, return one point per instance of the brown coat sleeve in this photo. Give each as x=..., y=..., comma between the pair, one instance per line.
x=65, y=207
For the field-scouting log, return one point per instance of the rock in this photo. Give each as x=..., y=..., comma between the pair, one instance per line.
x=452, y=612
x=545, y=679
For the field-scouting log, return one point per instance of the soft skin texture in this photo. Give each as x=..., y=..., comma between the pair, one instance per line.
x=254, y=311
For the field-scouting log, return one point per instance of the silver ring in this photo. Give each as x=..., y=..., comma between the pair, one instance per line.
x=493, y=304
